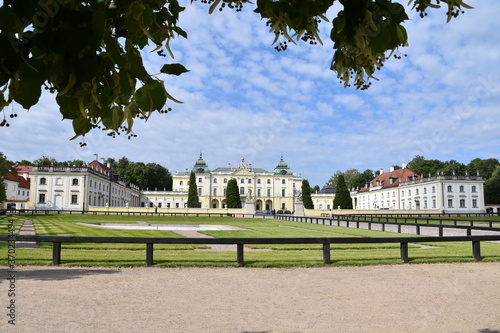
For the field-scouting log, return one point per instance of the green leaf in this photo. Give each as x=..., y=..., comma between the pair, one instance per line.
x=29, y=91
x=68, y=106
x=174, y=69
x=151, y=96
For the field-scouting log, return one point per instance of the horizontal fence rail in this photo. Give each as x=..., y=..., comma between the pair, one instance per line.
x=240, y=242
x=351, y=220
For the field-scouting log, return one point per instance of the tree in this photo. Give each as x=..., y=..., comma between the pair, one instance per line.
x=5, y=165
x=193, y=201
x=424, y=167
x=306, y=195
x=492, y=188
x=45, y=161
x=233, y=199
x=3, y=192
x=157, y=177
x=87, y=53
x=350, y=177
x=342, y=196
x=485, y=167
x=361, y=179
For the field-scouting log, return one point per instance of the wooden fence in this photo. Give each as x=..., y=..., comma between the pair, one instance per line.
x=356, y=220
x=240, y=242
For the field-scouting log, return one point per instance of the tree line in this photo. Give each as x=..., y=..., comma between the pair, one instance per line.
x=152, y=176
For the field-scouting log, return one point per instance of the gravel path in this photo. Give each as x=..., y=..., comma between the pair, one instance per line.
x=393, y=298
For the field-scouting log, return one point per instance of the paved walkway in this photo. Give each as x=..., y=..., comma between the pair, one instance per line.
x=27, y=229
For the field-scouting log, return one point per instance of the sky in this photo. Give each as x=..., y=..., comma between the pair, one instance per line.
x=243, y=99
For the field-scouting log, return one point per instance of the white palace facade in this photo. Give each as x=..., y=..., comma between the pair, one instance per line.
x=402, y=189
x=268, y=189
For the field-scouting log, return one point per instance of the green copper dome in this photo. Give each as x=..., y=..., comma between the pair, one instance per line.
x=200, y=166
x=282, y=168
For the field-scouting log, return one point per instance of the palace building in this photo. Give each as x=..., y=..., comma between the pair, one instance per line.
x=268, y=190
x=402, y=189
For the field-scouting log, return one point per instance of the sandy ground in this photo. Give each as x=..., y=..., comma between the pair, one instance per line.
x=391, y=298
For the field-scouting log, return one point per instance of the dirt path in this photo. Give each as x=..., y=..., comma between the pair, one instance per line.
x=392, y=298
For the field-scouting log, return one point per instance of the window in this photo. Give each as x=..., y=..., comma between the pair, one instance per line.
x=283, y=206
x=242, y=181
x=249, y=180
x=59, y=181
x=215, y=192
x=474, y=203
x=242, y=190
x=225, y=191
x=75, y=181
x=461, y=188
x=283, y=192
x=215, y=180
x=168, y=204
x=433, y=189
x=199, y=191
x=416, y=191
x=425, y=190
x=462, y=203
x=181, y=183
x=268, y=192
x=200, y=180
x=151, y=204
x=433, y=203
x=74, y=199
x=258, y=181
x=159, y=204
x=176, y=205
x=474, y=189
x=41, y=197
x=409, y=192
x=450, y=203
x=283, y=181
x=43, y=181
x=225, y=180
x=258, y=192
x=449, y=188
x=269, y=181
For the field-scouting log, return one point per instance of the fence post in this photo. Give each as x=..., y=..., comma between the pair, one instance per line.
x=417, y=229
x=326, y=253
x=239, y=254
x=404, y=252
x=56, y=253
x=440, y=231
x=476, y=250
x=149, y=254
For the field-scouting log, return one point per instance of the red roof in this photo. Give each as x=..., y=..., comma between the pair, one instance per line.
x=392, y=178
x=23, y=168
x=99, y=167
x=24, y=183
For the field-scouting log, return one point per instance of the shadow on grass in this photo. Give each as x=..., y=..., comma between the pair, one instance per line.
x=56, y=273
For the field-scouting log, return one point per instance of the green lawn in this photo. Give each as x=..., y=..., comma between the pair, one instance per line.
x=91, y=254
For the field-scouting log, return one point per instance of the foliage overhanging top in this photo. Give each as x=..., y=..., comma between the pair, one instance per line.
x=87, y=53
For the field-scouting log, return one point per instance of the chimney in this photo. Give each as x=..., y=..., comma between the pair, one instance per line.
x=381, y=171
x=392, y=168
x=103, y=160
x=95, y=157
x=229, y=166
x=403, y=166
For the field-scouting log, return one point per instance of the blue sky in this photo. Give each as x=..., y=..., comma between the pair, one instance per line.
x=244, y=99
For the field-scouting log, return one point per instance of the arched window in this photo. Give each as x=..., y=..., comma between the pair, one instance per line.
x=461, y=188
x=449, y=188
x=75, y=181
x=43, y=181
